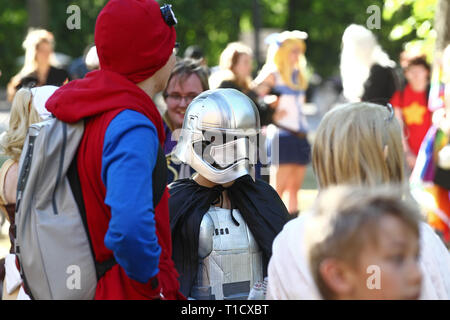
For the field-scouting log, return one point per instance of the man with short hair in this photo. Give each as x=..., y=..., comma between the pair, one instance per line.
x=119, y=149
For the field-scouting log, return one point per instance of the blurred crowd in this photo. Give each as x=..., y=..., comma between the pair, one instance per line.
x=367, y=74
x=382, y=122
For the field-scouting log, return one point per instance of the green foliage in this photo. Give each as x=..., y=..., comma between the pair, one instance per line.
x=325, y=22
x=416, y=29
x=73, y=42
x=13, y=19
x=213, y=24
x=14, y=26
x=210, y=24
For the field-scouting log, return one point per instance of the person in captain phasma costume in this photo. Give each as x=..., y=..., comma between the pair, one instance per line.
x=223, y=221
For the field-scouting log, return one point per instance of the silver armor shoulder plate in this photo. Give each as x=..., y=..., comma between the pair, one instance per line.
x=205, y=242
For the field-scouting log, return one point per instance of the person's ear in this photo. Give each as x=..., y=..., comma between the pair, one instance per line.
x=336, y=275
x=386, y=151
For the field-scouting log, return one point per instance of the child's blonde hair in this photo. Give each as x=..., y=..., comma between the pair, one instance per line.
x=358, y=143
x=346, y=219
x=22, y=115
x=286, y=69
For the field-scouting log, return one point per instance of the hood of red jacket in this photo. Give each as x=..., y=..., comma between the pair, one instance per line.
x=102, y=91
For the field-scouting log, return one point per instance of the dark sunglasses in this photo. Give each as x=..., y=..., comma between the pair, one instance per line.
x=168, y=15
x=382, y=103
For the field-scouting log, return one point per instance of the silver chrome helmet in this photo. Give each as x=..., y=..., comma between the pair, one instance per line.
x=219, y=135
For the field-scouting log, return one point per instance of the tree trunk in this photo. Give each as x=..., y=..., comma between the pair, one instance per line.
x=37, y=13
x=256, y=14
x=295, y=10
x=442, y=25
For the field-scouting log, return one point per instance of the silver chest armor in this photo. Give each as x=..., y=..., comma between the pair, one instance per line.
x=231, y=261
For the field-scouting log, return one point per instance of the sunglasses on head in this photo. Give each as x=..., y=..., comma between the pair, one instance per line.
x=168, y=15
x=383, y=103
x=391, y=112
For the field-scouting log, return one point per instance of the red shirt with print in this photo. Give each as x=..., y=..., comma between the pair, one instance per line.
x=415, y=114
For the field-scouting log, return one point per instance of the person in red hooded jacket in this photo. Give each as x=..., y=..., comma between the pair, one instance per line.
x=116, y=157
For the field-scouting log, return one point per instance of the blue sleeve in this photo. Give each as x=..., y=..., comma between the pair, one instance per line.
x=129, y=155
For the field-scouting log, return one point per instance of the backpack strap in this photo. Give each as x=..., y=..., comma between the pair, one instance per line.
x=159, y=187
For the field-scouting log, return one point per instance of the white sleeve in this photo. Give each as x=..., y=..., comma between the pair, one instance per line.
x=435, y=265
x=288, y=271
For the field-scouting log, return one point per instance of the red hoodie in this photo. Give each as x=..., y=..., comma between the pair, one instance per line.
x=97, y=99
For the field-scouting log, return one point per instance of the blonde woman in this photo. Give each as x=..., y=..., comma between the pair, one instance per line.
x=358, y=144
x=235, y=68
x=284, y=73
x=38, y=68
x=27, y=108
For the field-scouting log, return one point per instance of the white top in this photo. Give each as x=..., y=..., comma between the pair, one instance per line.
x=290, y=103
x=290, y=277
x=40, y=97
x=13, y=279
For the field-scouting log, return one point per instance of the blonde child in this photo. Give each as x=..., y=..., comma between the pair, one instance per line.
x=28, y=107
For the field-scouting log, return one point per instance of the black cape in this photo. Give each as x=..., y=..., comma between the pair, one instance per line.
x=259, y=204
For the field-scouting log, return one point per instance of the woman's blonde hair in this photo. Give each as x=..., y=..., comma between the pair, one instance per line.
x=23, y=114
x=227, y=61
x=358, y=143
x=33, y=39
x=286, y=69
